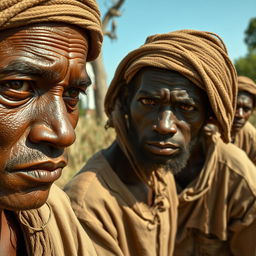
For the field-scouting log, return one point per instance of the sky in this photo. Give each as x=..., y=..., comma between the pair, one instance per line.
x=141, y=18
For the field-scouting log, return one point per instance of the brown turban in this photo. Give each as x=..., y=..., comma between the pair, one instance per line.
x=82, y=13
x=199, y=56
x=247, y=84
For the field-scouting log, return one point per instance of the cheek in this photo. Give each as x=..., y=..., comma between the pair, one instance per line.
x=247, y=115
x=12, y=126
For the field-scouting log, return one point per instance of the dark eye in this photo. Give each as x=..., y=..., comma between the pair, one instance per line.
x=17, y=85
x=146, y=101
x=247, y=109
x=186, y=107
x=73, y=92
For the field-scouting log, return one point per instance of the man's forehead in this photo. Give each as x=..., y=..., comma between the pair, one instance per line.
x=43, y=37
x=155, y=79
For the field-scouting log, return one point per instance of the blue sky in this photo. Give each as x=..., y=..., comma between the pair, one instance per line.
x=140, y=18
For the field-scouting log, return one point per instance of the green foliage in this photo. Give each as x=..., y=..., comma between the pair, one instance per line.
x=253, y=119
x=250, y=35
x=90, y=138
x=246, y=66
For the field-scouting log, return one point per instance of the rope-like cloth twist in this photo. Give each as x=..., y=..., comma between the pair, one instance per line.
x=82, y=13
x=246, y=84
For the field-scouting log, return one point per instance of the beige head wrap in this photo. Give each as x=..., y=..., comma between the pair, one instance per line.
x=247, y=84
x=200, y=56
x=82, y=13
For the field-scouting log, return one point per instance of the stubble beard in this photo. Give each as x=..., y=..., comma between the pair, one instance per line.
x=174, y=164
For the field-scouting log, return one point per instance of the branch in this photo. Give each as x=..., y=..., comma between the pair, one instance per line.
x=110, y=34
x=111, y=13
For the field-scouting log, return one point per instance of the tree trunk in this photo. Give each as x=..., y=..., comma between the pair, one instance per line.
x=100, y=87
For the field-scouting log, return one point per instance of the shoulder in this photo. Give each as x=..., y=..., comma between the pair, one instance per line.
x=236, y=162
x=89, y=183
x=250, y=129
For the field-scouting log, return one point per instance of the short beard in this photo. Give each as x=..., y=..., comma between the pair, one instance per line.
x=174, y=165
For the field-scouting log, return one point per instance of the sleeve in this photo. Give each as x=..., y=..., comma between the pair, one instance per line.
x=101, y=233
x=242, y=226
x=96, y=213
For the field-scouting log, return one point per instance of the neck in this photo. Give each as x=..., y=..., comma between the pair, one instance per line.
x=193, y=167
x=8, y=238
x=124, y=170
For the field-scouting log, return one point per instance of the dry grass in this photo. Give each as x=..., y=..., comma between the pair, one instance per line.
x=90, y=137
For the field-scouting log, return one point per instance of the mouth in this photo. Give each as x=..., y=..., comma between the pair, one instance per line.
x=237, y=124
x=46, y=172
x=162, y=148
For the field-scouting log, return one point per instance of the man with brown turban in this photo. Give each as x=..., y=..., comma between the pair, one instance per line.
x=44, y=47
x=243, y=132
x=160, y=99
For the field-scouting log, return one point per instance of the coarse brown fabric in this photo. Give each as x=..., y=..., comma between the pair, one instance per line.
x=117, y=223
x=199, y=56
x=246, y=140
x=217, y=210
x=63, y=234
x=246, y=84
x=82, y=13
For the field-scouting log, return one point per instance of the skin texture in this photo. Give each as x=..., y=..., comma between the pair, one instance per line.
x=244, y=109
x=165, y=115
x=42, y=73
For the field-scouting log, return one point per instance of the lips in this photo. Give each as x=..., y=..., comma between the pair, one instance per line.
x=46, y=172
x=162, y=148
x=238, y=124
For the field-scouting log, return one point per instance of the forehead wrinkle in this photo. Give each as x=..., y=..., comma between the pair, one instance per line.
x=60, y=47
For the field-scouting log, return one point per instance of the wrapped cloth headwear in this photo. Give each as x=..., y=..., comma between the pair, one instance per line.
x=199, y=56
x=247, y=84
x=82, y=13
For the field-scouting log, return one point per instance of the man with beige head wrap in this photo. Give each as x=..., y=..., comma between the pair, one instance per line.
x=160, y=99
x=44, y=47
x=243, y=132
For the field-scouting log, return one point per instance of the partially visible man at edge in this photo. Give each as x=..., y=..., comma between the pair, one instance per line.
x=159, y=100
x=44, y=46
x=243, y=132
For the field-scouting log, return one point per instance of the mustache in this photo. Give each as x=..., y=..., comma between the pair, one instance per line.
x=167, y=139
x=30, y=157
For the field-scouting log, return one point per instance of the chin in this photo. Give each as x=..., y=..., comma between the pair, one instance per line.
x=25, y=200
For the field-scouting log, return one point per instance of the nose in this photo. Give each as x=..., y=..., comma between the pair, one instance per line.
x=239, y=113
x=53, y=126
x=165, y=123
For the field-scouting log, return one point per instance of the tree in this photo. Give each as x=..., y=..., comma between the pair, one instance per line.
x=250, y=35
x=97, y=65
x=246, y=66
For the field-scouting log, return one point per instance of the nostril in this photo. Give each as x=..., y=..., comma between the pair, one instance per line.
x=60, y=136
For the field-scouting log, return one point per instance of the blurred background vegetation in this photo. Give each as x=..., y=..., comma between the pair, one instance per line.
x=91, y=136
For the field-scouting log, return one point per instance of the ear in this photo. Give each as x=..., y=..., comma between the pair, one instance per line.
x=125, y=100
x=211, y=126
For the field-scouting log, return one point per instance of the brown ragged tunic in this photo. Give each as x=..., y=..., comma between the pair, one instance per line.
x=217, y=211
x=246, y=140
x=115, y=221
x=63, y=235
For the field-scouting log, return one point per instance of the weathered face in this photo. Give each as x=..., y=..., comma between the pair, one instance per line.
x=42, y=72
x=244, y=109
x=167, y=113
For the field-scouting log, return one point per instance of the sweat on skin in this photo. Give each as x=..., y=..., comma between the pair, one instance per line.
x=42, y=73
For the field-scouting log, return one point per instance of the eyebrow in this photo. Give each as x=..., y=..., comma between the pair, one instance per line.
x=190, y=100
x=25, y=68
x=28, y=69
